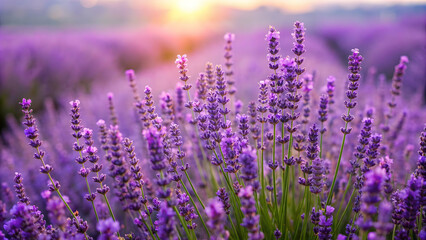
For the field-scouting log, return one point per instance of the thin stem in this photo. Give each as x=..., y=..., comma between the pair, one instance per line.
x=273, y=170
x=330, y=194
x=345, y=211
x=190, y=182
x=321, y=136
x=87, y=182
x=344, y=195
x=393, y=232
x=58, y=192
x=195, y=206
x=146, y=225
x=197, y=133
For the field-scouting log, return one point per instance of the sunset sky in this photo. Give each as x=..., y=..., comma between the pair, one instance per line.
x=291, y=6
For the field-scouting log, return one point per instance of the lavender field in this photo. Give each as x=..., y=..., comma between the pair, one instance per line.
x=261, y=125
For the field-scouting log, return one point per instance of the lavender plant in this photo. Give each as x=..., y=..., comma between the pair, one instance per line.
x=216, y=170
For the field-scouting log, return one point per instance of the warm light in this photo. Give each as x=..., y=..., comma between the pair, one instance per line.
x=189, y=12
x=189, y=6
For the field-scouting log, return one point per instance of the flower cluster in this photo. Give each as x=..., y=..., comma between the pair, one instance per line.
x=210, y=167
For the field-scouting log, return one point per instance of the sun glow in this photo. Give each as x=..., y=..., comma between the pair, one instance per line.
x=189, y=12
x=189, y=6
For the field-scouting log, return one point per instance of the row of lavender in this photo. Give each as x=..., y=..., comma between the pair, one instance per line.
x=281, y=170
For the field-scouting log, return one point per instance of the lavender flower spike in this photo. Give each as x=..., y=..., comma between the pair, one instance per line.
x=354, y=67
x=229, y=38
x=396, y=85
x=217, y=218
x=166, y=223
x=371, y=196
x=181, y=63
x=108, y=228
x=325, y=222
x=251, y=219
x=31, y=132
x=299, y=47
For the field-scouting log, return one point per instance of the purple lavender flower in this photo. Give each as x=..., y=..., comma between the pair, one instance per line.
x=354, y=68
x=112, y=112
x=243, y=126
x=167, y=108
x=217, y=218
x=262, y=99
x=202, y=89
x=155, y=145
x=421, y=163
x=322, y=112
x=411, y=203
x=249, y=166
x=166, y=222
x=131, y=77
x=371, y=196
x=316, y=181
x=330, y=90
x=223, y=197
x=26, y=222
x=254, y=129
x=289, y=68
x=7, y=195
x=20, y=190
x=3, y=213
x=386, y=163
x=229, y=39
x=277, y=233
x=363, y=141
x=181, y=63
x=298, y=47
x=231, y=146
x=276, y=82
x=306, y=89
x=108, y=228
x=221, y=93
x=325, y=222
x=78, y=147
x=56, y=209
x=313, y=149
x=46, y=169
x=211, y=81
x=341, y=237
x=185, y=209
x=251, y=219
x=315, y=218
x=272, y=37
x=396, y=88
x=149, y=103
x=372, y=151
x=383, y=225
x=215, y=122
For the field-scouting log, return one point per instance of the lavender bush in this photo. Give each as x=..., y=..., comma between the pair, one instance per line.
x=299, y=162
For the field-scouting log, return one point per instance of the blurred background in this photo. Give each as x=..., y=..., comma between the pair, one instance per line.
x=59, y=50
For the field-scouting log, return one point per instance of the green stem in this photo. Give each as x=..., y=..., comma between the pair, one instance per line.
x=393, y=232
x=273, y=171
x=321, y=136
x=330, y=194
x=87, y=182
x=146, y=225
x=198, y=137
x=195, y=206
x=344, y=195
x=290, y=146
x=58, y=192
x=190, y=182
x=345, y=211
